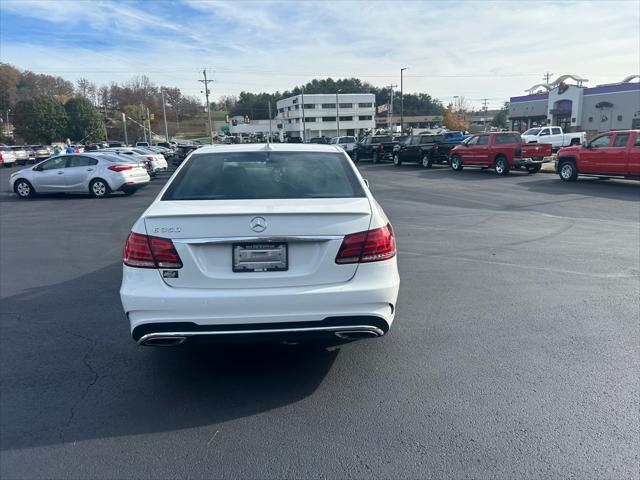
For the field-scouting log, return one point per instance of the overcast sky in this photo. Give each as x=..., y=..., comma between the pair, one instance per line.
x=473, y=48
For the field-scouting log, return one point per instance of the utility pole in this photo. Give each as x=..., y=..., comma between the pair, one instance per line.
x=547, y=76
x=124, y=125
x=390, y=111
x=164, y=115
x=269, y=141
x=206, y=94
x=337, y=114
x=401, y=102
x=484, y=109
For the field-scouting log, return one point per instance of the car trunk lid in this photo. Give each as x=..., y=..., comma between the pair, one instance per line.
x=205, y=232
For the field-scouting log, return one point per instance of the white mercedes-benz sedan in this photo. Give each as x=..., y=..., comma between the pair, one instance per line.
x=261, y=241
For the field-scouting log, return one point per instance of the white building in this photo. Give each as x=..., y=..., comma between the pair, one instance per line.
x=321, y=116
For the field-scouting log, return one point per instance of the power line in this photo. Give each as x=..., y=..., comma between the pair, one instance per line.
x=547, y=77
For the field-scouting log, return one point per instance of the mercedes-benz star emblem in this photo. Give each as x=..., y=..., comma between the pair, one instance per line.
x=258, y=224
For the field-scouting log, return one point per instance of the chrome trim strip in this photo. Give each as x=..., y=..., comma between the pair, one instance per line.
x=349, y=328
x=259, y=239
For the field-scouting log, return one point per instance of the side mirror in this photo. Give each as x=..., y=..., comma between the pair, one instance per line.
x=585, y=145
x=37, y=168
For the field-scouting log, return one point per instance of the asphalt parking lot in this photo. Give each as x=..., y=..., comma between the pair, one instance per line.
x=515, y=351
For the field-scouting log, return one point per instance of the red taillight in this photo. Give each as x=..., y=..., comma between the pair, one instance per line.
x=381, y=147
x=150, y=158
x=371, y=246
x=119, y=168
x=145, y=251
x=436, y=147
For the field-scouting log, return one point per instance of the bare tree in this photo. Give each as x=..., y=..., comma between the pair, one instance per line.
x=82, y=87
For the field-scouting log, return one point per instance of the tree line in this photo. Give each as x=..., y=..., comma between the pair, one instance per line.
x=256, y=105
x=45, y=108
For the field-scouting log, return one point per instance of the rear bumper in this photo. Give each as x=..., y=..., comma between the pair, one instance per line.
x=365, y=303
x=130, y=182
x=175, y=333
x=520, y=162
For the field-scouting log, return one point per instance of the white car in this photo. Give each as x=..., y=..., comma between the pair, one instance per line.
x=261, y=240
x=157, y=161
x=97, y=174
x=347, y=143
x=7, y=157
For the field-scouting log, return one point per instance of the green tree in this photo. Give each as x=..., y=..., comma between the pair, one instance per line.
x=500, y=120
x=84, y=121
x=41, y=120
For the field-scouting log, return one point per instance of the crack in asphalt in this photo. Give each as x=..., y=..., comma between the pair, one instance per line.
x=83, y=395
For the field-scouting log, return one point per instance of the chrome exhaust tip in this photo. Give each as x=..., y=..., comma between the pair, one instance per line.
x=355, y=334
x=163, y=341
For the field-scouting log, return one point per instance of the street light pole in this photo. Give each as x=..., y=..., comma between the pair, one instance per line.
x=124, y=125
x=304, y=128
x=402, y=101
x=337, y=113
x=164, y=114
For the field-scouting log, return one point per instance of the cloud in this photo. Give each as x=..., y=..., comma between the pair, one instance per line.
x=476, y=49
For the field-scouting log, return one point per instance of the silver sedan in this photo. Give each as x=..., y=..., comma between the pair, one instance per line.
x=97, y=174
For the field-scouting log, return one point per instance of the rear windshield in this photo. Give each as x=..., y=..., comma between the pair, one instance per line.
x=380, y=139
x=506, y=138
x=262, y=175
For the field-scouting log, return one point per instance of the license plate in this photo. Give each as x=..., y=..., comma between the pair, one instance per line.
x=260, y=257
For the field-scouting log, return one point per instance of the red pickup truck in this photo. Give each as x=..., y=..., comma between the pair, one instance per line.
x=501, y=150
x=612, y=154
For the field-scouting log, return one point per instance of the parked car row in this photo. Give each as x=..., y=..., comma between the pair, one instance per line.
x=610, y=154
x=21, y=155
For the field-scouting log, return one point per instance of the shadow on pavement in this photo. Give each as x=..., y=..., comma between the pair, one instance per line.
x=70, y=371
x=627, y=190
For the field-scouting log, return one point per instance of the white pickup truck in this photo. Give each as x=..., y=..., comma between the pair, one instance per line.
x=553, y=135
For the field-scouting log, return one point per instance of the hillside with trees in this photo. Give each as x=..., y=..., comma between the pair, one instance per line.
x=47, y=108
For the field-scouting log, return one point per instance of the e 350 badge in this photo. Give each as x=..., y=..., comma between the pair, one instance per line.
x=167, y=230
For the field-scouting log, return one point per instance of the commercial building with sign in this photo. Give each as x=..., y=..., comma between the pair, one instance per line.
x=317, y=115
x=575, y=107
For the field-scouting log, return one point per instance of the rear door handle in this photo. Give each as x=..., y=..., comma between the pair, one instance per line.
x=60, y=173
x=89, y=169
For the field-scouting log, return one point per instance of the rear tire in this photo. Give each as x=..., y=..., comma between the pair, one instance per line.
x=396, y=160
x=502, y=166
x=129, y=191
x=534, y=168
x=23, y=189
x=426, y=161
x=99, y=188
x=567, y=171
x=456, y=164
